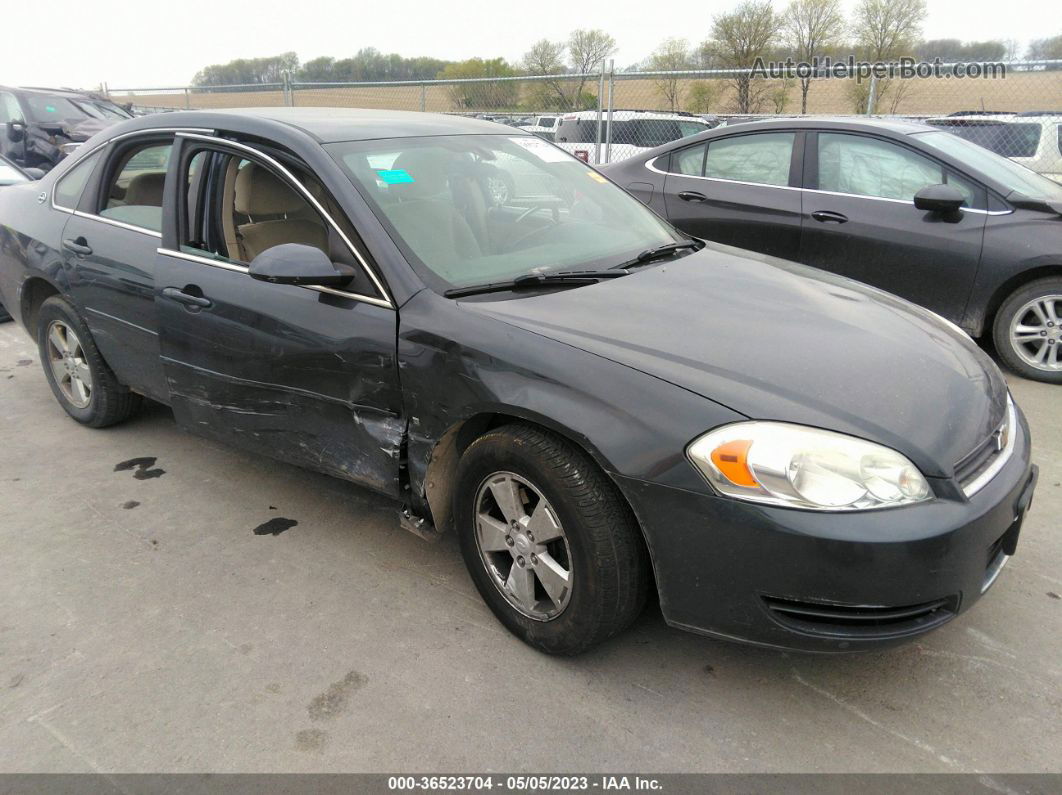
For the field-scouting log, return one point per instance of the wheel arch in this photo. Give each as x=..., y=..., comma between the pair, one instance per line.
x=1015, y=282
x=34, y=292
x=441, y=472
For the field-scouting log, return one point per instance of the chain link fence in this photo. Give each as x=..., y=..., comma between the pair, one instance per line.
x=1014, y=109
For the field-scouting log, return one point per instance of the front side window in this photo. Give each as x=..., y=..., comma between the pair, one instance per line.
x=865, y=166
x=763, y=158
x=237, y=208
x=10, y=110
x=469, y=209
x=133, y=195
x=9, y=175
x=50, y=109
x=67, y=191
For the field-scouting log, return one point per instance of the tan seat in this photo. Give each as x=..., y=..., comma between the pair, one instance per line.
x=146, y=189
x=259, y=195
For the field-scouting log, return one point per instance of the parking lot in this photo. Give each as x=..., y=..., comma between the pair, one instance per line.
x=146, y=626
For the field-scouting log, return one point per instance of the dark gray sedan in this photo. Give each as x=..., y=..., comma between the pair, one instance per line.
x=594, y=402
x=905, y=207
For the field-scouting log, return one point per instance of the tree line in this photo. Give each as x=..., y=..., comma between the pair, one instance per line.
x=877, y=30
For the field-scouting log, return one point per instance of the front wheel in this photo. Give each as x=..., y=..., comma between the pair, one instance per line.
x=550, y=544
x=81, y=381
x=1028, y=331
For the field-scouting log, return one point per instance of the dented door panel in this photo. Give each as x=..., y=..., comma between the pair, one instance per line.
x=299, y=375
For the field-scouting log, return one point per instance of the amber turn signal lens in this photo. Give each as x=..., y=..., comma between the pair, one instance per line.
x=731, y=459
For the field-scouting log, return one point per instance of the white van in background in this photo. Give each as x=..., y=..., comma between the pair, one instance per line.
x=633, y=131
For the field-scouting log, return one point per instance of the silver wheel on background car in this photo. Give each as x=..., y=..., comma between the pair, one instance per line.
x=523, y=546
x=1036, y=333
x=69, y=367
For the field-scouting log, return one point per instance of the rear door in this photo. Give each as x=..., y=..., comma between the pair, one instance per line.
x=109, y=248
x=860, y=221
x=741, y=190
x=307, y=375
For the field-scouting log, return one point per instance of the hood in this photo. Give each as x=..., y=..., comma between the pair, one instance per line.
x=774, y=340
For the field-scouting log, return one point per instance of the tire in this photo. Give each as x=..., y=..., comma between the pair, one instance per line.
x=601, y=545
x=104, y=401
x=1037, y=308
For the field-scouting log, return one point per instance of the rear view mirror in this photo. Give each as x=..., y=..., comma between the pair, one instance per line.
x=295, y=263
x=16, y=131
x=939, y=198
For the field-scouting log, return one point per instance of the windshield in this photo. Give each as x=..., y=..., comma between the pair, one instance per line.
x=44, y=108
x=9, y=175
x=1007, y=172
x=1009, y=140
x=473, y=209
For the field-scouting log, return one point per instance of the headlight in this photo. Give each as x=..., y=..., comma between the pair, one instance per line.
x=801, y=467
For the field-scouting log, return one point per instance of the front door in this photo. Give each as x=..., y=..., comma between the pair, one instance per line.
x=305, y=375
x=739, y=190
x=860, y=221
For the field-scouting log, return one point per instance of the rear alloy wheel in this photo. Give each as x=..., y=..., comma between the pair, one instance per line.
x=70, y=370
x=81, y=381
x=1028, y=331
x=551, y=545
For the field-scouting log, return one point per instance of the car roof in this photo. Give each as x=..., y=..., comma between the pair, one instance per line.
x=326, y=125
x=893, y=125
x=53, y=92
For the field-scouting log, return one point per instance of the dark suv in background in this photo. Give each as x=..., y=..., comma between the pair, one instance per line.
x=43, y=125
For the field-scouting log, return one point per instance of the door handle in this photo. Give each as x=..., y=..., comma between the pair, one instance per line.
x=78, y=245
x=692, y=196
x=182, y=297
x=829, y=217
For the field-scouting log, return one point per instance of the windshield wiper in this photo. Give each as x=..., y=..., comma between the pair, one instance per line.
x=537, y=280
x=665, y=250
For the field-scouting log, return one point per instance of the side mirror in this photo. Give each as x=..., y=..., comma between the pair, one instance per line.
x=294, y=263
x=16, y=131
x=34, y=173
x=939, y=198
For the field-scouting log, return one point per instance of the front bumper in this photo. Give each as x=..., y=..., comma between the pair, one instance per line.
x=829, y=582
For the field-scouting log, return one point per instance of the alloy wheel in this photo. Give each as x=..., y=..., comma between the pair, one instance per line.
x=69, y=367
x=1036, y=333
x=523, y=546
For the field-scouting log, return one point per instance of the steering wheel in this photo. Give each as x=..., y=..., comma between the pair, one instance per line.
x=554, y=217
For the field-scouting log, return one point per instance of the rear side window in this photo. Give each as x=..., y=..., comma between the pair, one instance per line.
x=10, y=110
x=689, y=162
x=68, y=189
x=763, y=158
x=133, y=194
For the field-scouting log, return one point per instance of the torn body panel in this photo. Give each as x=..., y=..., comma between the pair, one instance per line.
x=287, y=372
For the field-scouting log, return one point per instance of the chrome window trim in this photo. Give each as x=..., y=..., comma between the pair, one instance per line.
x=1001, y=460
x=120, y=224
x=386, y=300
x=651, y=166
x=365, y=299
x=96, y=148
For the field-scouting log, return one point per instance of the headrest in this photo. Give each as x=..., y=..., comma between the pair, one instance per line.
x=259, y=192
x=146, y=189
x=428, y=170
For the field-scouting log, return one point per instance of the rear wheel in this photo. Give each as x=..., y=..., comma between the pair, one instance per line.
x=551, y=545
x=80, y=380
x=1028, y=331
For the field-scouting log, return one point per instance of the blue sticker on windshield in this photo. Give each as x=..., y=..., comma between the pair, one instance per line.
x=394, y=176
x=50, y=108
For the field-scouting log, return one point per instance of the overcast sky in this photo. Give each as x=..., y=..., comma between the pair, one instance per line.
x=149, y=43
